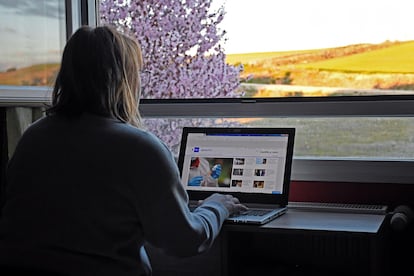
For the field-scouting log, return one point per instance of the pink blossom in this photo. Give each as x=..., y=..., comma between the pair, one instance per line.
x=181, y=46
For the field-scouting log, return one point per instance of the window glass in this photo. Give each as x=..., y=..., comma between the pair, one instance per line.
x=385, y=138
x=276, y=49
x=313, y=48
x=267, y=48
x=32, y=39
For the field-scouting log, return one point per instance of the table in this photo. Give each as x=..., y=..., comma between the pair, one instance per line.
x=299, y=242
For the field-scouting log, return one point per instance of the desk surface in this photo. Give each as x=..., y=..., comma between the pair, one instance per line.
x=319, y=221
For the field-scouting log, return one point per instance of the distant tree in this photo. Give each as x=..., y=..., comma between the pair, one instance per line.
x=181, y=45
x=183, y=54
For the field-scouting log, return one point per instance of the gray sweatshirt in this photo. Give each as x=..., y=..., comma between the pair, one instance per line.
x=83, y=196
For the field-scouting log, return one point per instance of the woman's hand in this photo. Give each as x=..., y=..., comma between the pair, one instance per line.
x=231, y=203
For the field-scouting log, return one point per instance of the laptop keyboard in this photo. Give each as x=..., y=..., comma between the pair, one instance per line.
x=249, y=212
x=252, y=212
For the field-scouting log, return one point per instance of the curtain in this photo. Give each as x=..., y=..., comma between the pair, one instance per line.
x=18, y=119
x=13, y=122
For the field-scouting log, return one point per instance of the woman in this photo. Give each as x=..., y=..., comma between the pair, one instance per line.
x=87, y=187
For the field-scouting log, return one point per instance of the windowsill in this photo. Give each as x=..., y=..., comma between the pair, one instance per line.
x=30, y=96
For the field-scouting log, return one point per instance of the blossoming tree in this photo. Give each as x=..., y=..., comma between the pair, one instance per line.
x=181, y=45
x=182, y=50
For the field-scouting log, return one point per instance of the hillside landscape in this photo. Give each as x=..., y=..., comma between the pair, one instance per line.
x=319, y=72
x=386, y=66
x=348, y=70
x=362, y=69
x=35, y=75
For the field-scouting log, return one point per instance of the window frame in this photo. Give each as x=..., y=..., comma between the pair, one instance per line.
x=392, y=171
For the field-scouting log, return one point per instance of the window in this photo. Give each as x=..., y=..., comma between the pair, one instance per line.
x=33, y=35
x=326, y=71
x=344, y=134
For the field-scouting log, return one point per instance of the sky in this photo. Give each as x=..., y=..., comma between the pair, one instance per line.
x=33, y=31
x=279, y=25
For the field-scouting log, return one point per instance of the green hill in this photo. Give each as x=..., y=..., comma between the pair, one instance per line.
x=260, y=56
x=388, y=65
x=394, y=59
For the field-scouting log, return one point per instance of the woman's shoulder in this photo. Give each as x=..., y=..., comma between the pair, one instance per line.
x=140, y=137
x=38, y=124
x=148, y=145
x=142, y=134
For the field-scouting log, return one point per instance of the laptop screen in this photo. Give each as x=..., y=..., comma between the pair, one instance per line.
x=253, y=164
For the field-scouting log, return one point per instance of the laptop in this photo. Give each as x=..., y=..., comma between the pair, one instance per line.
x=252, y=164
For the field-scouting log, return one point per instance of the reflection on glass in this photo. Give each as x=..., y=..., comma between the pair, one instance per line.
x=32, y=40
x=361, y=138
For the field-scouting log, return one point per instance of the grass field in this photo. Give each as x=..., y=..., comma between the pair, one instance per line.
x=258, y=57
x=388, y=57
x=35, y=75
x=387, y=66
x=394, y=59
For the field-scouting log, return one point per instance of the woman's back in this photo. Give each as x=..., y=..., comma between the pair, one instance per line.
x=80, y=183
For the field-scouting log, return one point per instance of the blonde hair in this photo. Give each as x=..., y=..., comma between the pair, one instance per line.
x=100, y=74
x=129, y=91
